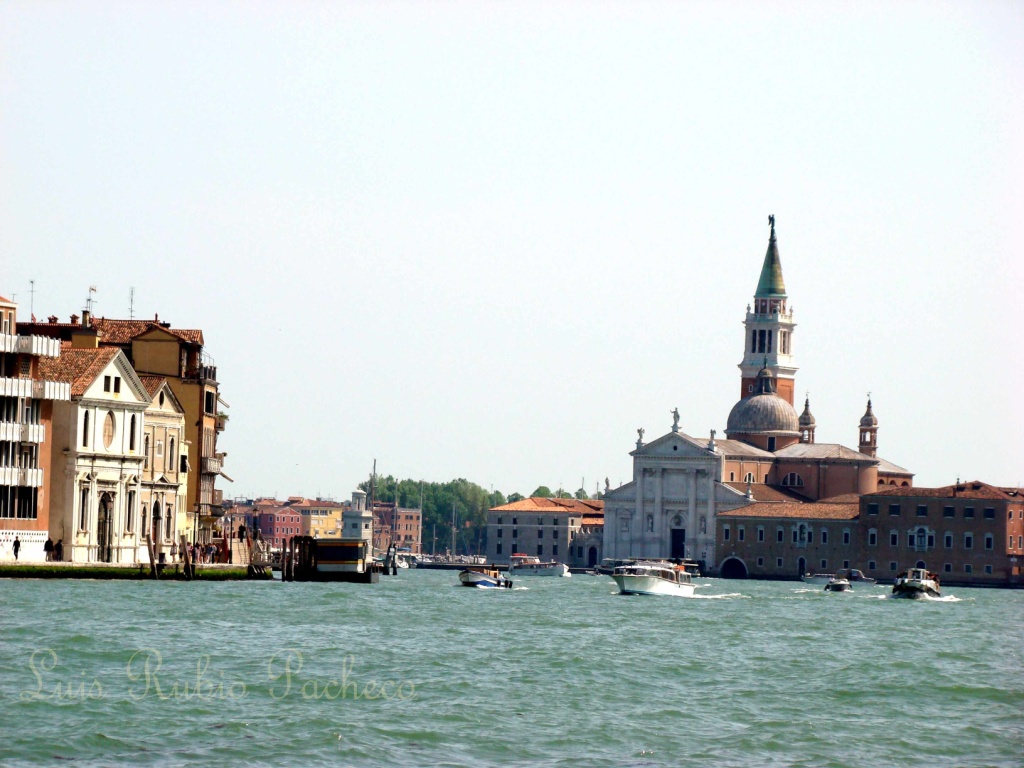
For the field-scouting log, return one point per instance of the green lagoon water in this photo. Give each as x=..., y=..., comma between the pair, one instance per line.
x=415, y=671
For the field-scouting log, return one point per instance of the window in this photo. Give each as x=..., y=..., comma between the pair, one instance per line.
x=779, y=535
x=760, y=533
x=793, y=479
x=990, y=513
x=554, y=550
x=748, y=478
x=540, y=533
x=85, y=432
x=540, y=550
x=989, y=541
x=725, y=532
x=968, y=512
x=872, y=538
x=873, y=508
x=948, y=567
x=824, y=536
x=968, y=541
x=948, y=512
x=988, y=569
x=106, y=383
x=515, y=521
x=499, y=533
x=159, y=448
x=846, y=539
x=170, y=455
x=515, y=533
x=846, y=563
x=83, y=509
x=131, y=434
x=740, y=532
x=778, y=562
x=499, y=521
x=967, y=568
x=922, y=510
x=892, y=565
x=108, y=429
x=948, y=541
x=760, y=561
x=650, y=523
x=117, y=384
x=824, y=564
x=732, y=476
x=129, y=515
x=554, y=534
x=894, y=539
x=894, y=510
x=871, y=565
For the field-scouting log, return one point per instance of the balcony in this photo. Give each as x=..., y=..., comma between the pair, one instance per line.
x=12, y=432
x=212, y=466
x=26, y=478
x=51, y=390
x=15, y=387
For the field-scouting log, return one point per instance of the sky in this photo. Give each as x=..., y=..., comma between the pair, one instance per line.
x=491, y=240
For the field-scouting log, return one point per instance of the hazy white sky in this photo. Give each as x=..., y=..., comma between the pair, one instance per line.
x=490, y=240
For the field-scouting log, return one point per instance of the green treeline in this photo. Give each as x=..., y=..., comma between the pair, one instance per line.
x=437, y=500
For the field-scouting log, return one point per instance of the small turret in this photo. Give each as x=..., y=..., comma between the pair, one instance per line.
x=807, y=423
x=869, y=432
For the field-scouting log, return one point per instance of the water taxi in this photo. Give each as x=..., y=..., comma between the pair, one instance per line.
x=915, y=583
x=854, y=576
x=484, y=577
x=838, y=584
x=817, y=578
x=527, y=565
x=653, y=578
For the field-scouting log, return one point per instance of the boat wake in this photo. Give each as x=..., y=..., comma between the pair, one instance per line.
x=929, y=599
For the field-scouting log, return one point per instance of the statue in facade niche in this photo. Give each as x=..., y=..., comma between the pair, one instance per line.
x=703, y=524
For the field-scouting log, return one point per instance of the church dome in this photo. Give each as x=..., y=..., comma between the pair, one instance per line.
x=764, y=412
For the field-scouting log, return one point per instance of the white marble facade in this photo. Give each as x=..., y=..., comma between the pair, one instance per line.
x=668, y=509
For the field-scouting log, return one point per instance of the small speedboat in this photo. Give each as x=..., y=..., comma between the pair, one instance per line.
x=532, y=566
x=484, y=577
x=838, y=585
x=817, y=578
x=916, y=583
x=653, y=578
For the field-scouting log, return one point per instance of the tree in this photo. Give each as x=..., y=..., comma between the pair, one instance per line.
x=515, y=496
x=543, y=492
x=582, y=495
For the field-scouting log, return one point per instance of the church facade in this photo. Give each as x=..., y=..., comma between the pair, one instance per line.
x=681, y=484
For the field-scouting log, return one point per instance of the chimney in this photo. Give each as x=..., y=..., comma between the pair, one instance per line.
x=74, y=319
x=86, y=318
x=52, y=319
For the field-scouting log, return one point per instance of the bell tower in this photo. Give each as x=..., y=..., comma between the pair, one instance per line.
x=768, y=329
x=869, y=432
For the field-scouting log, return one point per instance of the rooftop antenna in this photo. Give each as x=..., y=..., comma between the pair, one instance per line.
x=90, y=301
x=32, y=299
x=131, y=303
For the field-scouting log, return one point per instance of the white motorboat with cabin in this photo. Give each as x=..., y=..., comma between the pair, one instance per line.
x=854, y=576
x=916, y=583
x=653, y=578
x=484, y=577
x=527, y=565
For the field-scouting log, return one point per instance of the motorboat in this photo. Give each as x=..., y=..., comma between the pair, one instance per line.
x=838, y=584
x=653, y=578
x=527, y=565
x=916, y=583
x=609, y=564
x=484, y=577
x=854, y=576
x=817, y=578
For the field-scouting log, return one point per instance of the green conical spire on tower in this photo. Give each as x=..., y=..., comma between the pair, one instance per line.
x=771, y=284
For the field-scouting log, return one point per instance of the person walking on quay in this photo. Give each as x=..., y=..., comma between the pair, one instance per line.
x=174, y=551
x=58, y=551
x=48, y=549
x=16, y=547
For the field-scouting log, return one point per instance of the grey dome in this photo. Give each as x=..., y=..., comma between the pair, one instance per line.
x=806, y=418
x=761, y=414
x=869, y=419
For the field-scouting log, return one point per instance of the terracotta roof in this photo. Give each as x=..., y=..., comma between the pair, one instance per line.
x=795, y=510
x=972, y=490
x=553, y=506
x=123, y=331
x=593, y=520
x=5, y=301
x=729, y=447
x=314, y=504
x=843, y=498
x=764, y=492
x=152, y=383
x=78, y=367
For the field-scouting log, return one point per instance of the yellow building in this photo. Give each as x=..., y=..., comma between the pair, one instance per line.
x=321, y=518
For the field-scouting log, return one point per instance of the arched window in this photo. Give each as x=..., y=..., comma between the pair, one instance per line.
x=83, y=507
x=168, y=523
x=85, y=431
x=749, y=478
x=129, y=514
x=147, y=452
x=131, y=435
x=171, y=461
x=145, y=520
x=793, y=479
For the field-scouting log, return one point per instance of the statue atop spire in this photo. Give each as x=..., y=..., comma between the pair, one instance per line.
x=771, y=223
x=771, y=284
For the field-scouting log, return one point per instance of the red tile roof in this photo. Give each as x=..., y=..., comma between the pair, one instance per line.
x=124, y=331
x=553, y=506
x=152, y=383
x=764, y=492
x=78, y=367
x=794, y=510
x=972, y=490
